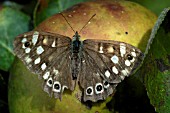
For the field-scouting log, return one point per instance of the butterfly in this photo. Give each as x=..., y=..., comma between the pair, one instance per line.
x=97, y=65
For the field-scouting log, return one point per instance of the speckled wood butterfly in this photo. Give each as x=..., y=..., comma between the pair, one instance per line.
x=97, y=65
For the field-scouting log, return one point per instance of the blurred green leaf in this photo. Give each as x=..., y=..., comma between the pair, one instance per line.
x=12, y=5
x=51, y=7
x=64, y=4
x=156, y=67
x=12, y=23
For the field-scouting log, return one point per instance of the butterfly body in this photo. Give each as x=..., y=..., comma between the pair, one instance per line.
x=75, y=57
x=97, y=65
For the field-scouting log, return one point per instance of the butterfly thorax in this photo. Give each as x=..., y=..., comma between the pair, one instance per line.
x=75, y=57
x=76, y=43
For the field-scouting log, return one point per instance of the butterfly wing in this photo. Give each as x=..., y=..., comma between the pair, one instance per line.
x=104, y=65
x=94, y=86
x=47, y=55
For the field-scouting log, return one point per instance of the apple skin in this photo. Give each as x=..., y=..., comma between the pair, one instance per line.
x=115, y=20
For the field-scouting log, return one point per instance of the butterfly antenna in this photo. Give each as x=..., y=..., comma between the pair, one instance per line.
x=67, y=22
x=87, y=23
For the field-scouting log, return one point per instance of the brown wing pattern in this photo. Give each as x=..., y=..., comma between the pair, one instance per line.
x=47, y=55
x=104, y=65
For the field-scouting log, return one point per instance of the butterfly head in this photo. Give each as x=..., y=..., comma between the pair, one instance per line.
x=76, y=36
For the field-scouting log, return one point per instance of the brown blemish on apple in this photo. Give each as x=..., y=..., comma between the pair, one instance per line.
x=115, y=9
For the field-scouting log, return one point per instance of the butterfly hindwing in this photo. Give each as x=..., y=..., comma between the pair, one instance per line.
x=47, y=55
x=94, y=86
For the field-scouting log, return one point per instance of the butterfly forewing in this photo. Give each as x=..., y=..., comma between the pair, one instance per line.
x=114, y=59
x=47, y=55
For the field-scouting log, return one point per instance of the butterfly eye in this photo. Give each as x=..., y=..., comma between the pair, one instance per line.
x=27, y=44
x=89, y=91
x=56, y=86
x=98, y=88
x=129, y=57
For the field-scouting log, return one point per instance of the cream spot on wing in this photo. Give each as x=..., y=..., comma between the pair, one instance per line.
x=53, y=44
x=27, y=50
x=40, y=50
x=43, y=66
x=55, y=71
x=110, y=49
x=133, y=54
x=25, y=35
x=115, y=59
x=27, y=59
x=46, y=75
x=122, y=77
x=125, y=72
x=45, y=41
x=23, y=46
x=115, y=70
x=122, y=49
x=127, y=63
x=101, y=49
x=37, y=61
x=23, y=40
x=107, y=73
x=35, y=37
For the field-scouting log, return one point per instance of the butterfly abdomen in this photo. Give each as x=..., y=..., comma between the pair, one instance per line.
x=75, y=64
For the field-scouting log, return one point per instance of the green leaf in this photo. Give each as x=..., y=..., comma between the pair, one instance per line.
x=64, y=4
x=12, y=23
x=52, y=7
x=12, y=5
x=156, y=66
